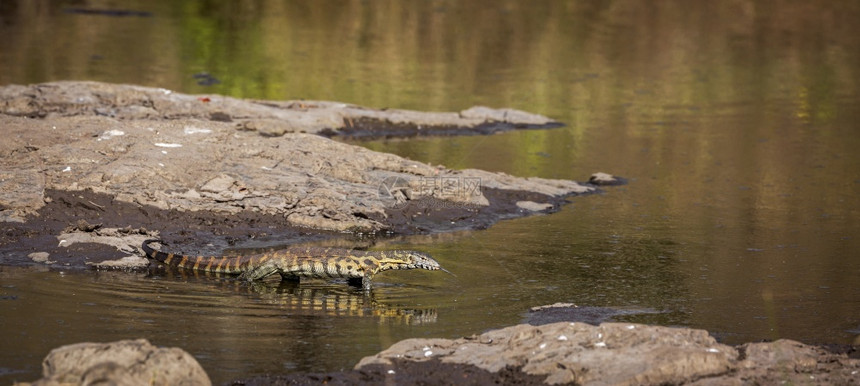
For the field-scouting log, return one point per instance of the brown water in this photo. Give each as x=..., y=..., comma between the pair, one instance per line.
x=737, y=123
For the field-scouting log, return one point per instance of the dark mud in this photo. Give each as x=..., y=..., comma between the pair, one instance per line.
x=211, y=233
x=432, y=372
x=204, y=232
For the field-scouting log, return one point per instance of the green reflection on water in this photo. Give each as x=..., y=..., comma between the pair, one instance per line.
x=736, y=122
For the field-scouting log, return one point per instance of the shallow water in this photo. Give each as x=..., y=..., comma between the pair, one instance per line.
x=736, y=123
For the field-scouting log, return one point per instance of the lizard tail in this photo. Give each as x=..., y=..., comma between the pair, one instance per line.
x=198, y=263
x=155, y=254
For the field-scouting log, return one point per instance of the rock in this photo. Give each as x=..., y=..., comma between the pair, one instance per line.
x=612, y=353
x=21, y=183
x=269, y=118
x=533, y=206
x=127, y=262
x=605, y=179
x=91, y=156
x=267, y=127
x=219, y=184
x=790, y=362
x=512, y=116
x=126, y=362
x=84, y=226
x=623, y=354
x=40, y=257
x=782, y=355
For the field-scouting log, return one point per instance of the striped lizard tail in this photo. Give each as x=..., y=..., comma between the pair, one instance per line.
x=228, y=265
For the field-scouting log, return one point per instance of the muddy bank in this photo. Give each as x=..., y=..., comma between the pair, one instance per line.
x=211, y=172
x=557, y=353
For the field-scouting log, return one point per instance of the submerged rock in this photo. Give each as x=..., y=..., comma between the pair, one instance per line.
x=569, y=312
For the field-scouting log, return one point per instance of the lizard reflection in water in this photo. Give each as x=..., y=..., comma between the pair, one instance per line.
x=358, y=267
x=339, y=303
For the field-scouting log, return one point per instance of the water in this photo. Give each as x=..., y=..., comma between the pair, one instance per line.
x=736, y=123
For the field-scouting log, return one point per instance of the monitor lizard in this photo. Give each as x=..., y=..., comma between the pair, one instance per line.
x=358, y=267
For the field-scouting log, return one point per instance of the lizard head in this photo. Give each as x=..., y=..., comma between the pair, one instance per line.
x=398, y=260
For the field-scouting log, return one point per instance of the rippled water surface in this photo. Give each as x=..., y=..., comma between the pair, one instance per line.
x=736, y=123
